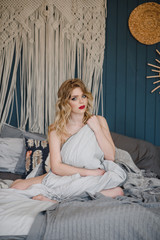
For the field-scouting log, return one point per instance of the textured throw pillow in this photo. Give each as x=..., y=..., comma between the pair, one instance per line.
x=12, y=155
x=36, y=154
x=8, y=131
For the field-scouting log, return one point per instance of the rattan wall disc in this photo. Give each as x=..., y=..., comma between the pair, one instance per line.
x=144, y=23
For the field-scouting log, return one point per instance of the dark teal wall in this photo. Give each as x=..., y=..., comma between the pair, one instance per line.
x=129, y=106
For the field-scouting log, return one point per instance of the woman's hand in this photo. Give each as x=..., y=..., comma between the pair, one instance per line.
x=20, y=184
x=101, y=130
x=94, y=124
x=96, y=172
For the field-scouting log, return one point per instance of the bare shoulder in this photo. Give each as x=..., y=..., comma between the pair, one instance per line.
x=53, y=134
x=53, y=137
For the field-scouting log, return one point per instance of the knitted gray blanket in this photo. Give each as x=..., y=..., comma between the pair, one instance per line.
x=98, y=218
x=139, y=184
x=95, y=217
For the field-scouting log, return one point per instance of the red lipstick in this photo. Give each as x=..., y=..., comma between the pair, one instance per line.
x=82, y=107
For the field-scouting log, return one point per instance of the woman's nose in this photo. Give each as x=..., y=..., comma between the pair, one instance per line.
x=81, y=100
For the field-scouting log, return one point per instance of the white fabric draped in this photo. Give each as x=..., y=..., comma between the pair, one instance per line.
x=43, y=43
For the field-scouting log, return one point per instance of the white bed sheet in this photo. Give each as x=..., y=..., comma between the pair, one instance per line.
x=18, y=210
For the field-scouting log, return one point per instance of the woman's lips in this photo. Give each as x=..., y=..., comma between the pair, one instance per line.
x=82, y=107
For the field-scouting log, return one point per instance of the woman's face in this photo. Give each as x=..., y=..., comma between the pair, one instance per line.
x=78, y=101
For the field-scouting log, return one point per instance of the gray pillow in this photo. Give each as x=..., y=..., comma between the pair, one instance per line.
x=13, y=132
x=145, y=155
x=10, y=176
x=12, y=155
x=8, y=131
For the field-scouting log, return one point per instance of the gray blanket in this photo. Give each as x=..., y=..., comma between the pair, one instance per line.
x=98, y=218
x=139, y=184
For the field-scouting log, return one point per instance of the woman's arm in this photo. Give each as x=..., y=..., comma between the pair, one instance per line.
x=100, y=127
x=26, y=183
x=59, y=168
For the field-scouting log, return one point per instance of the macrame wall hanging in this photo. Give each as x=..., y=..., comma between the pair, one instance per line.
x=43, y=43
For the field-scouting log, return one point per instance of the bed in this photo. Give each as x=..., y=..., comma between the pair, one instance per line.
x=136, y=215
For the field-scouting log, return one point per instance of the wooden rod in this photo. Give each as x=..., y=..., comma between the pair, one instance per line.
x=157, y=51
x=153, y=65
x=155, y=89
x=156, y=76
x=156, y=82
x=153, y=70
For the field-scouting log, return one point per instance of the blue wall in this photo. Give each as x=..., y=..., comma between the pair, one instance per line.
x=129, y=107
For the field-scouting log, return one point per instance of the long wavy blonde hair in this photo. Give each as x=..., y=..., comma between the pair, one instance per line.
x=63, y=109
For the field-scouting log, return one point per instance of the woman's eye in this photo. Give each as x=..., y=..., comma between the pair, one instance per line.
x=84, y=96
x=73, y=99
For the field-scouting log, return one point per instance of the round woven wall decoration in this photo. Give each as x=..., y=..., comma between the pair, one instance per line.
x=144, y=23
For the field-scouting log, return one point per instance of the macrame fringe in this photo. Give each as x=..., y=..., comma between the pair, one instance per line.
x=40, y=59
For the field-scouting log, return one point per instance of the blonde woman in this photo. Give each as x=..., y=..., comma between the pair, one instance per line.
x=82, y=151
